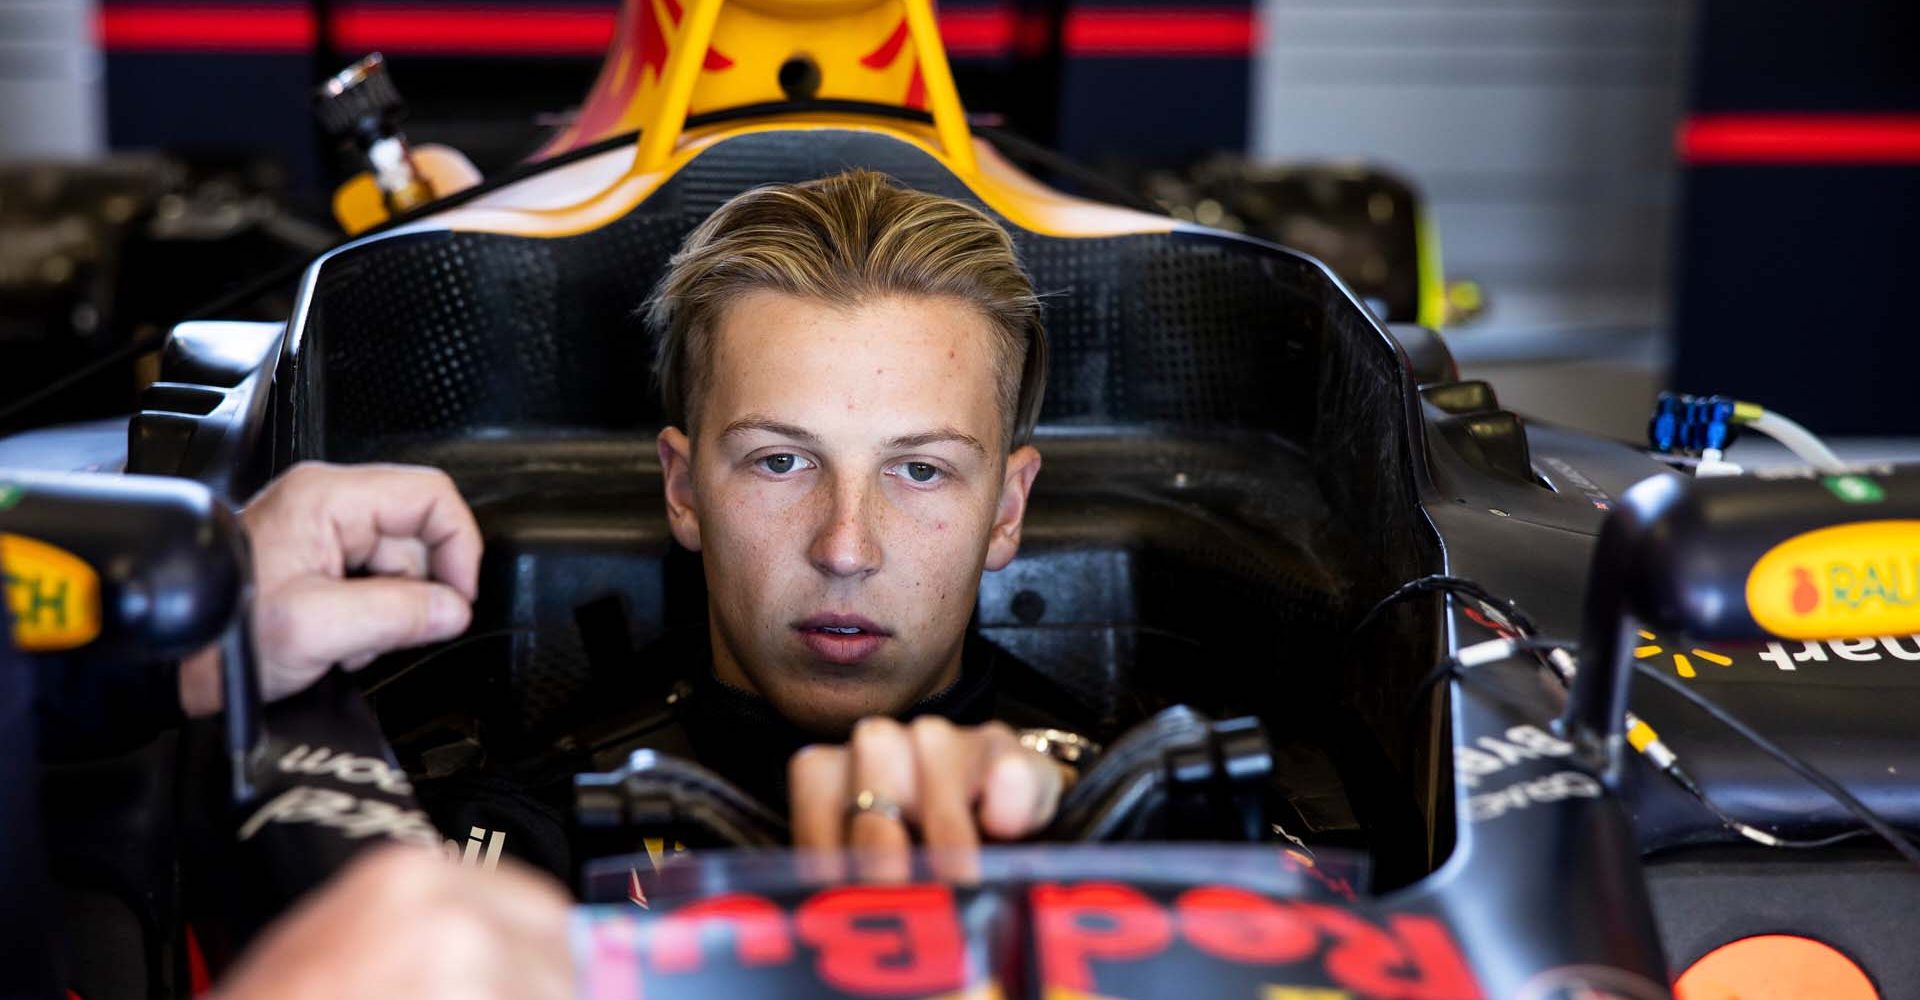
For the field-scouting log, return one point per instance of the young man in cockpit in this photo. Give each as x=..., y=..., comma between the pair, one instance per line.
x=851, y=371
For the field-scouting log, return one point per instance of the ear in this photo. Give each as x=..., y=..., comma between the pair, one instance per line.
x=1004, y=540
x=676, y=471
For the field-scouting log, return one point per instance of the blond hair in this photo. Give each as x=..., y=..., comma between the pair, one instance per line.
x=843, y=240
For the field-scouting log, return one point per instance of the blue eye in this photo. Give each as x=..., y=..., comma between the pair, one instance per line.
x=780, y=464
x=921, y=472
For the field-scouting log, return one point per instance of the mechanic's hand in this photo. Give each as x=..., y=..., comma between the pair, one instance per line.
x=405, y=525
x=404, y=922
x=951, y=784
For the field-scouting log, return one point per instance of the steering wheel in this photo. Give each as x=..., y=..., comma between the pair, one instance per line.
x=1176, y=776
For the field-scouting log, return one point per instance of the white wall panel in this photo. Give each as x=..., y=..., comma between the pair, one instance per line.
x=1541, y=130
x=50, y=80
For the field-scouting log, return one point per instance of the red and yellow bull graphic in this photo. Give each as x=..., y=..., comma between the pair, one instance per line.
x=669, y=61
x=54, y=596
x=1848, y=580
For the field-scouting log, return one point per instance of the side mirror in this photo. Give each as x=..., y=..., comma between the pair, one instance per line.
x=110, y=571
x=104, y=567
x=1803, y=557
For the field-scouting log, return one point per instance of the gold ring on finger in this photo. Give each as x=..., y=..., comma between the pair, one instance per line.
x=870, y=801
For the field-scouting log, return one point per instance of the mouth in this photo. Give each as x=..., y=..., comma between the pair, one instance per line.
x=841, y=639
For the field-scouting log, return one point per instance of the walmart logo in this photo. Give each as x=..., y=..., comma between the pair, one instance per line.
x=1682, y=662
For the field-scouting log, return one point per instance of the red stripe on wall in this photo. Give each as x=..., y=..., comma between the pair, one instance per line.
x=469, y=31
x=976, y=33
x=206, y=29
x=495, y=31
x=1135, y=32
x=1800, y=139
x=585, y=31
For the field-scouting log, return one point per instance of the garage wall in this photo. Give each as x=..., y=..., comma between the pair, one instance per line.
x=50, y=102
x=1801, y=203
x=1541, y=130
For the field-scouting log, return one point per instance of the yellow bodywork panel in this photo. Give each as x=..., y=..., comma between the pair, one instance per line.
x=582, y=196
x=674, y=58
x=358, y=206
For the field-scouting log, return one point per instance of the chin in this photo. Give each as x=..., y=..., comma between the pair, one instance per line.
x=828, y=708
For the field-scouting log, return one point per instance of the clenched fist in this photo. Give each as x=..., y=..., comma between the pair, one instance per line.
x=406, y=527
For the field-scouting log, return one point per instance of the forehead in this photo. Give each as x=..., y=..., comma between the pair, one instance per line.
x=884, y=364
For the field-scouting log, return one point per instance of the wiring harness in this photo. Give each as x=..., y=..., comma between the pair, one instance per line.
x=1556, y=657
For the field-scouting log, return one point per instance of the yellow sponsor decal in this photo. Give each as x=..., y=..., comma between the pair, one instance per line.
x=53, y=594
x=1850, y=580
x=1682, y=662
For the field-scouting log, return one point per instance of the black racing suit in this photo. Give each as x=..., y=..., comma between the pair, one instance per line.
x=677, y=706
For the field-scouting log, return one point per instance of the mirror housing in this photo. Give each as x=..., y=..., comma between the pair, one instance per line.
x=110, y=567
x=1800, y=556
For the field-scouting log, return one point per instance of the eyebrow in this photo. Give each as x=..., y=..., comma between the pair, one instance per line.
x=759, y=423
x=936, y=436
x=756, y=422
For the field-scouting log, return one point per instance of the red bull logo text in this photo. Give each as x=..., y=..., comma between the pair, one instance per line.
x=1082, y=940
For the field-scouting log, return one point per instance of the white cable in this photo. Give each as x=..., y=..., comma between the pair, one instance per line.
x=1563, y=662
x=1712, y=464
x=1800, y=441
x=1754, y=834
x=1481, y=653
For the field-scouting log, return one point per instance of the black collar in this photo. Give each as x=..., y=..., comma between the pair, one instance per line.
x=741, y=737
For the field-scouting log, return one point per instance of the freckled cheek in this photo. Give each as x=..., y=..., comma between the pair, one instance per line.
x=757, y=520
x=942, y=561
x=761, y=549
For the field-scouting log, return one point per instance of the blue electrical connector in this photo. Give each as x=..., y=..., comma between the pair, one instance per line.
x=1690, y=425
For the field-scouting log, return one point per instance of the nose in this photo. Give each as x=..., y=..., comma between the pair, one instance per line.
x=846, y=545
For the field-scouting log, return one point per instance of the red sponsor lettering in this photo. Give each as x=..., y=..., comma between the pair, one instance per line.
x=758, y=928
x=878, y=941
x=1242, y=926
x=1366, y=960
x=1073, y=924
x=899, y=941
x=1439, y=960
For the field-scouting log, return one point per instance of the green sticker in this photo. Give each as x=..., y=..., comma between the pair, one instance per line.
x=10, y=495
x=1855, y=489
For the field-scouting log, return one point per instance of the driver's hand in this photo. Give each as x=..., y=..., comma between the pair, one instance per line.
x=406, y=923
x=951, y=785
x=405, y=526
